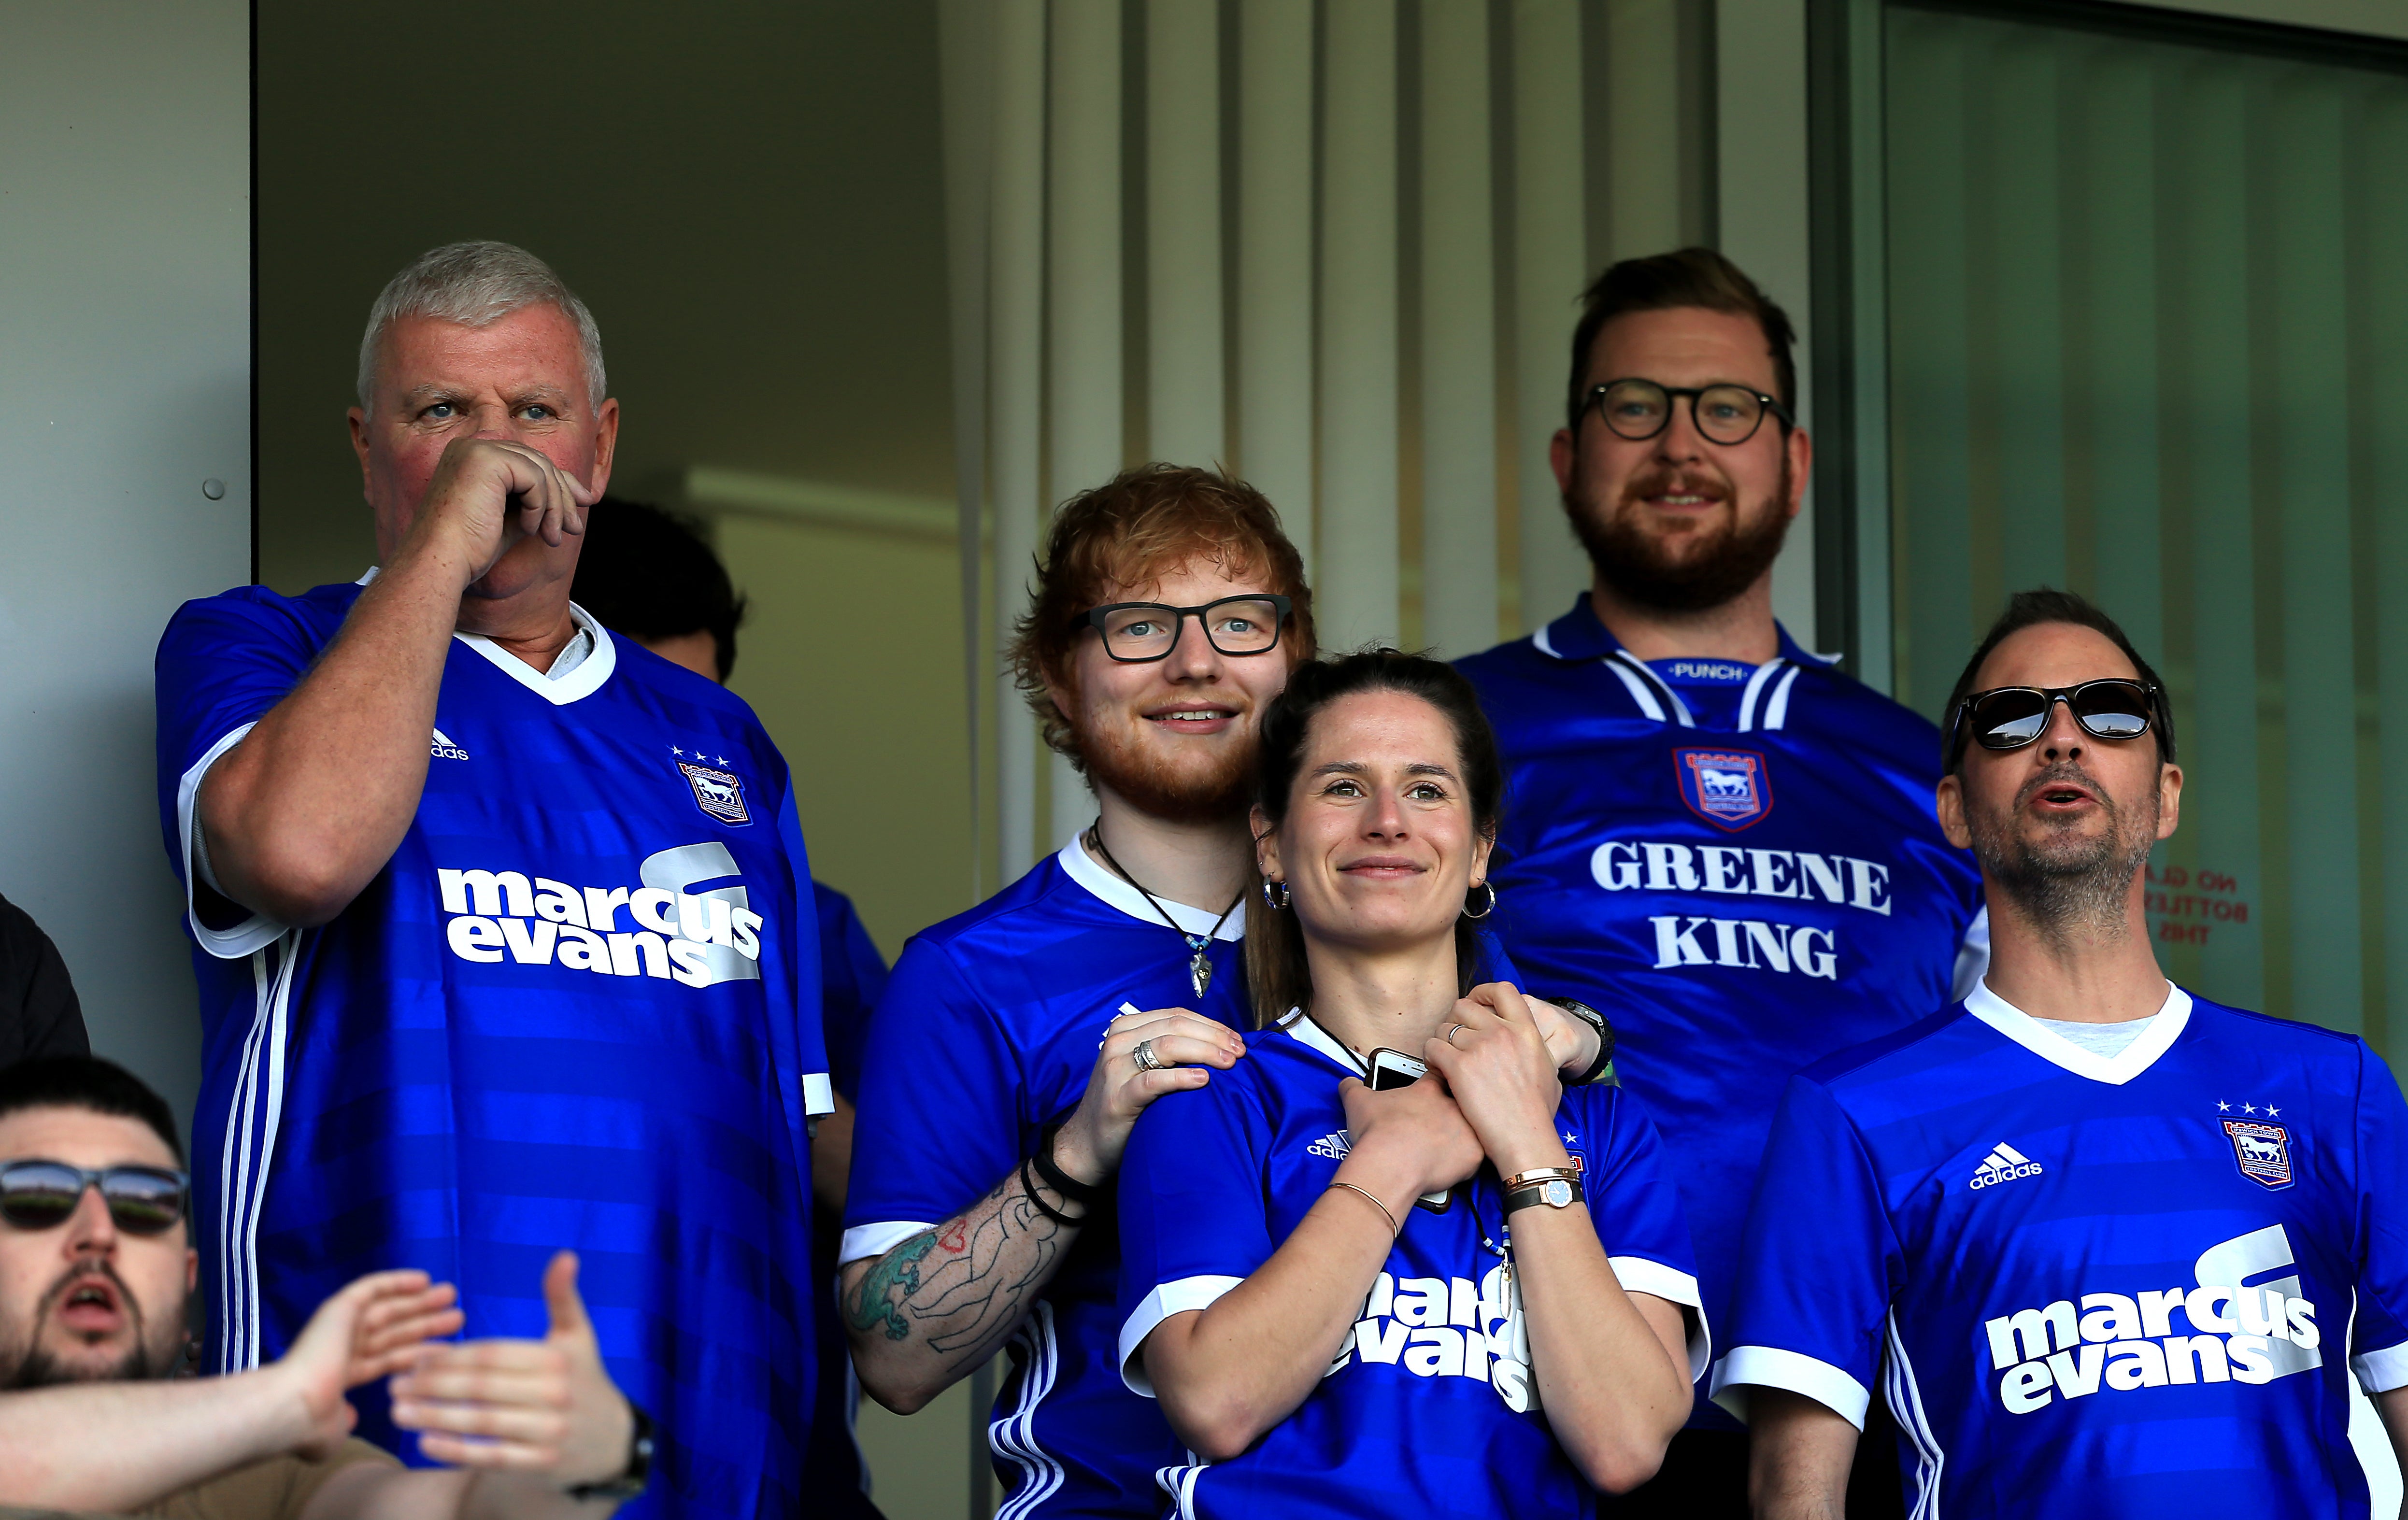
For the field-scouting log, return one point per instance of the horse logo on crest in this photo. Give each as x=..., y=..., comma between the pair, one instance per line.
x=1730, y=789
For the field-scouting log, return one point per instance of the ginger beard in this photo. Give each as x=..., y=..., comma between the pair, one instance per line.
x=26, y=1361
x=2066, y=883
x=1695, y=566
x=1174, y=777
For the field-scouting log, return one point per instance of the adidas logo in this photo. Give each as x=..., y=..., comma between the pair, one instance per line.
x=443, y=749
x=2004, y=1164
x=1334, y=1145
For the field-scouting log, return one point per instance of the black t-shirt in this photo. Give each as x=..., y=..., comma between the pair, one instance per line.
x=38, y=1012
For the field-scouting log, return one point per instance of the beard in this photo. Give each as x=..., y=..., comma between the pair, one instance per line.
x=36, y=1366
x=1689, y=572
x=1213, y=784
x=2067, y=885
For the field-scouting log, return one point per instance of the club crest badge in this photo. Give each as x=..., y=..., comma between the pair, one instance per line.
x=1732, y=789
x=2262, y=1152
x=717, y=792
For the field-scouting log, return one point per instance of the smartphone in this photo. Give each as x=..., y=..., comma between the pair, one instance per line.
x=1394, y=1068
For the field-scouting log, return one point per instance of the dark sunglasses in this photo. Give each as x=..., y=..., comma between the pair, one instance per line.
x=2011, y=717
x=41, y=1195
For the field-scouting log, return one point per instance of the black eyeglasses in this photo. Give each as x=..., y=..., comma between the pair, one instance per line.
x=41, y=1195
x=1638, y=409
x=1137, y=632
x=2011, y=717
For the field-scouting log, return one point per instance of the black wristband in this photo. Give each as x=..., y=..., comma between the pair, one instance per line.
x=1598, y=1068
x=1071, y=1189
x=1030, y=1187
x=632, y=1479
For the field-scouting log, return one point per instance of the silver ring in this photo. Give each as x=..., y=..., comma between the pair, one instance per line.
x=1448, y=1036
x=1145, y=1059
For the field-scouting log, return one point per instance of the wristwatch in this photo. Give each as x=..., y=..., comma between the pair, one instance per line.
x=1601, y=1070
x=1558, y=1187
x=632, y=1479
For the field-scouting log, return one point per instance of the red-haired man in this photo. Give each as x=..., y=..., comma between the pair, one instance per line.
x=1017, y=1043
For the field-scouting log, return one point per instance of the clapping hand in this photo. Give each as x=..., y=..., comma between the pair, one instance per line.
x=544, y=1407
x=374, y=1326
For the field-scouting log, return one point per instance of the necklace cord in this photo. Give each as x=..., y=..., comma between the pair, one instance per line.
x=1096, y=832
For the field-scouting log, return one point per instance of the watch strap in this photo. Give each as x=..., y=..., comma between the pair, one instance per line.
x=1554, y=1193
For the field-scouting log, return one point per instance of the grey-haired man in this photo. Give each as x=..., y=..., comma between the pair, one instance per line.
x=502, y=926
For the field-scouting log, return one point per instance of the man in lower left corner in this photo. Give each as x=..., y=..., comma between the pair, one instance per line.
x=96, y=1268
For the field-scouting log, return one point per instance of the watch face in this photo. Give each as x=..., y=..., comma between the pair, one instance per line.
x=1559, y=1194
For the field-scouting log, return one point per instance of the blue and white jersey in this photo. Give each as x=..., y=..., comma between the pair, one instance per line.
x=2093, y=1285
x=1739, y=866
x=986, y=1033
x=1432, y=1406
x=578, y=1006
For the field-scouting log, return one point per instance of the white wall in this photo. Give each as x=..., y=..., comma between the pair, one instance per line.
x=124, y=385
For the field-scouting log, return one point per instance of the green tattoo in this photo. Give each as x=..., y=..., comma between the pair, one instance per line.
x=871, y=1308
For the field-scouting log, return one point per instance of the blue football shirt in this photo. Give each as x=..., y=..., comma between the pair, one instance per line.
x=2117, y=1286
x=986, y=1033
x=853, y=974
x=578, y=1006
x=1431, y=1408
x=1739, y=866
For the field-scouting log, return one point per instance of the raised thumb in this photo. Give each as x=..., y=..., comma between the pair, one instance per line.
x=560, y=1295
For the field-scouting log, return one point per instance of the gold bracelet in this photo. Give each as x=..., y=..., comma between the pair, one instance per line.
x=1394, y=1228
x=1540, y=1174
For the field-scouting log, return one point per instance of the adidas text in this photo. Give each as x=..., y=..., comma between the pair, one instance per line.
x=2004, y=1164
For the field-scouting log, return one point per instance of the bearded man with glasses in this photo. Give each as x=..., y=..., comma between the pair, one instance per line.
x=1716, y=838
x=96, y=1271
x=1015, y=1044
x=2110, y=1249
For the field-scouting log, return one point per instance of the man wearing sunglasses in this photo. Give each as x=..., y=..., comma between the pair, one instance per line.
x=1715, y=838
x=2109, y=1248
x=96, y=1266
x=1016, y=1044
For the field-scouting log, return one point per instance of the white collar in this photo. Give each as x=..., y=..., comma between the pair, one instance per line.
x=1083, y=868
x=2053, y=1048
x=1300, y=1026
x=580, y=683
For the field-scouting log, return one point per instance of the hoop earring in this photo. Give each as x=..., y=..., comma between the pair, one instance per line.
x=1276, y=904
x=1484, y=912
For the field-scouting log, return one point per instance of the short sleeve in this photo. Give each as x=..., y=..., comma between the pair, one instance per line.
x=852, y=975
x=810, y=1042
x=2379, y=1334
x=1195, y=1220
x=939, y=1121
x=221, y=664
x=1815, y=1268
x=1637, y=1209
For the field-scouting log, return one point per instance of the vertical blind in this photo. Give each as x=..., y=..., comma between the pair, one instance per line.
x=1333, y=245
x=2147, y=314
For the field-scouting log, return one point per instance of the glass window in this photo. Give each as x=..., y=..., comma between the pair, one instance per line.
x=2147, y=337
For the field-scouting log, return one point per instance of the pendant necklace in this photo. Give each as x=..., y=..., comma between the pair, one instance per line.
x=1200, y=964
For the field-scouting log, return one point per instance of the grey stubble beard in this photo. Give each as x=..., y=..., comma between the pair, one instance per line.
x=2076, y=892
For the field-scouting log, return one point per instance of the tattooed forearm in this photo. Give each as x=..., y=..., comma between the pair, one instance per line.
x=870, y=1307
x=959, y=1289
